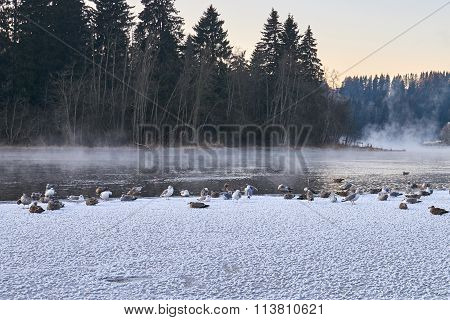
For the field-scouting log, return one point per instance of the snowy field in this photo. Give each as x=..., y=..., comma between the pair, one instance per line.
x=262, y=248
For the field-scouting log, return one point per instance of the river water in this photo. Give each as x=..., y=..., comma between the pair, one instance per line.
x=80, y=170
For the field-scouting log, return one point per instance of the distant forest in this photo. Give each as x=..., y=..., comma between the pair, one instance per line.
x=81, y=75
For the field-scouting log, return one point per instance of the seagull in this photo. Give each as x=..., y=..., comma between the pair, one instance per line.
x=128, y=197
x=333, y=198
x=204, y=192
x=198, y=205
x=91, y=201
x=437, y=211
x=185, y=193
x=79, y=198
x=35, y=196
x=167, y=193
x=284, y=189
x=309, y=195
x=236, y=195
x=49, y=193
x=24, y=200
x=345, y=186
x=36, y=209
x=105, y=195
x=249, y=190
x=352, y=197
x=383, y=196
x=206, y=198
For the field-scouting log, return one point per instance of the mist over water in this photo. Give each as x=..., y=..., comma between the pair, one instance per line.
x=80, y=170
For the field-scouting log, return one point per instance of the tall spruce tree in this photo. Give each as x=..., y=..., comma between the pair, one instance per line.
x=290, y=39
x=311, y=66
x=113, y=21
x=268, y=49
x=210, y=39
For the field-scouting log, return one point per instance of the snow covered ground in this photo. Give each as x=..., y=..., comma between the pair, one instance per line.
x=262, y=248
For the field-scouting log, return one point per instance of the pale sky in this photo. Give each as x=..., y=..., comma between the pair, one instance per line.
x=346, y=31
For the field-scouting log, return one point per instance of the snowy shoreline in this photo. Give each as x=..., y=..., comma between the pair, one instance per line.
x=262, y=248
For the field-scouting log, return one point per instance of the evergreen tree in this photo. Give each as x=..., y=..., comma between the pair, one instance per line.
x=210, y=39
x=113, y=21
x=311, y=67
x=267, y=52
x=290, y=39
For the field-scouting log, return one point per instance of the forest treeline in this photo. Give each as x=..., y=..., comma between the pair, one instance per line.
x=91, y=75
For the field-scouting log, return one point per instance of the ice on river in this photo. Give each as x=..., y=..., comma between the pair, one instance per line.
x=262, y=248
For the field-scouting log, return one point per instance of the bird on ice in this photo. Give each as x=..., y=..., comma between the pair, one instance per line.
x=135, y=191
x=36, y=209
x=79, y=198
x=91, y=201
x=105, y=195
x=24, y=200
x=437, y=211
x=185, y=193
x=345, y=186
x=198, y=205
x=54, y=205
x=128, y=197
x=383, y=196
x=204, y=192
x=249, y=190
x=332, y=198
x=309, y=194
x=167, y=193
x=50, y=192
x=236, y=195
x=352, y=197
x=285, y=189
x=206, y=198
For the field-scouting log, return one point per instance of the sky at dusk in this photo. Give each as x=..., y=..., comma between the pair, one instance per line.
x=346, y=31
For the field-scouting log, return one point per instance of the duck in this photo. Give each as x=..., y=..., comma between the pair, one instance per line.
x=24, y=200
x=338, y=180
x=167, y=193
x=99, y=190
x=36, y=209
x=437, y=211
x=227, y=195
x=249, y=190
x=135, y=191
x=226, y=187
x=236, y=195
x=412, y=200
x=403, y=206
x=215, y=194
x=284, y=189
x=300, y=197
x=79, y=198
x=395, y=194
x=342, y=193
x=325, y=194
x=333, y=198
x=374, y=190
x=198, y=205
x=44, y=199
x=352, y=197
x=105, y=195
x=35, y=196
x=405, y=173
x=91, y=201
x=185, y=193
x=289, y=196
x=128, y=197
x=54, y=205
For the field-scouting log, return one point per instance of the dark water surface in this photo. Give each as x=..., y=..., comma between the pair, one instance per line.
x=80, y=170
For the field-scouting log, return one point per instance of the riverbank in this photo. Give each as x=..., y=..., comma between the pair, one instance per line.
x=262, y=248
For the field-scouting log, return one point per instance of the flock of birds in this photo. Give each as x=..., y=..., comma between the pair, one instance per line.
x=344, y=189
